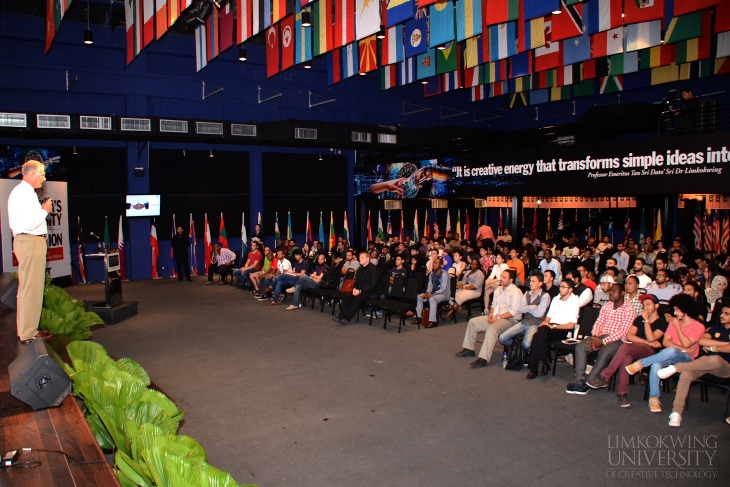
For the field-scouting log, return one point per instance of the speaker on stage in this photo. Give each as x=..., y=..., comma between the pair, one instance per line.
x=36, y=377
x=9, y=294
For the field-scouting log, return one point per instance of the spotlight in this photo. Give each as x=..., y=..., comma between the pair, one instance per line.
x=381, y=33
x=307, y=64
x=210, y=154
x=320, y=157
x=74, y=152
x=88, y=37
x=241, y=53
x=306, y=19
x=205, y=10
x=424, y=82
x=557, y=12
x=441, y=47
x=362, y=73
x=539, y=201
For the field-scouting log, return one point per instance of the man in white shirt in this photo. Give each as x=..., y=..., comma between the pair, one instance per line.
x=604, y=245
x=548, y=263
x=505, y=313
x=27, y=221
x=622, y=259
x=638, y=271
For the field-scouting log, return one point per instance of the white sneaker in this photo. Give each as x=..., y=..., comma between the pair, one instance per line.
x=675, y=419
x=667, y=372
x=569, y=358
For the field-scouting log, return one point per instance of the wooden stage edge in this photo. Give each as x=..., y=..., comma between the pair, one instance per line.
x=62, y=428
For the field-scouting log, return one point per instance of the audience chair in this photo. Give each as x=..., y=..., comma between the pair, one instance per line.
x=588, y=317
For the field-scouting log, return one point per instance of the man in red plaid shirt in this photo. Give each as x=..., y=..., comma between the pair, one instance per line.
x=608, y=334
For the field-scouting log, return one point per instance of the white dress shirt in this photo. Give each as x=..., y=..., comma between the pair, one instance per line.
x=564, y=312
x=25, y=214
x=507, y=300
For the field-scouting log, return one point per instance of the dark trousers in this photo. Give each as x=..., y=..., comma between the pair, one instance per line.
x=218, y=269
x=540, y=342
x=350, y=305
x=182, y=265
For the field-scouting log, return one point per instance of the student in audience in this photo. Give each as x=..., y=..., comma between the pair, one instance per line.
x=680, y=342
x=533, y=307
x=622, y=259
x=585, y=278
x=607, y=335
x=288, y=278
x=584, y=293
x=558, y=322
x=366, y=287
x=662, y=288
x=252, y=265
x=351, y=263
x=485, y=260
x=618, y=276
x=638, y=271
x=587, y=260
x=310, y=281
x=268, y=266
x=458, y=266
x=399, y=269
x=549, y=283
x=632, y=249
x=716, y=290
x=492, y=282
x=516, y=265
x=282, y=265
x=676, y=262
x=631, y=287
x=505, y=312
x=470, y=287
x=601, y=296
x=643, y=339
x=648, y=255
x=716, y=343
x=221, y=261
x=438, y=291
x=604, y=245
x=505, y=237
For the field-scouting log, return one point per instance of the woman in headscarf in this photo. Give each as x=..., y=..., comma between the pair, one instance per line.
x=716, y=290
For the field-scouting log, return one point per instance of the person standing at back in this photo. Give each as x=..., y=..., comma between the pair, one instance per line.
x=180, y=244
x=27, y=221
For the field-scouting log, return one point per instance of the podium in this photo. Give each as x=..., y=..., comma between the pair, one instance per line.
x=113, y=281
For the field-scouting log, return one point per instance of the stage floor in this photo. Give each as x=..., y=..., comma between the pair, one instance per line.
x=282, y=397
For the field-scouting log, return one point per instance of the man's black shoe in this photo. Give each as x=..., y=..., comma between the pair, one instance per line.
x=479, y=363
x=465, y=352
x=531, y=374
x=545, y=369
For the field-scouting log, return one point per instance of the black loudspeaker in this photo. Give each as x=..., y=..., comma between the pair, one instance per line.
x=9, y=294
x=37, y=378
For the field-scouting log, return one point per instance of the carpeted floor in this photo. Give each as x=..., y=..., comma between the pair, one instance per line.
x=289, y=398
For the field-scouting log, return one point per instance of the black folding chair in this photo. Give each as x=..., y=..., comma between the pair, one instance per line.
x=588, y=317
x=400, y=301
x=382, y=290
x=441, y=307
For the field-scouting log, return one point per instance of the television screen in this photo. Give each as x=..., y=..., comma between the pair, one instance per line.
x=143, y=205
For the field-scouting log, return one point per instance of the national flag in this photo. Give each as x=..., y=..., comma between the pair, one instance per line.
x=547, y=56
x=725, y=233
x=636, y=11
x=380, y=227
x=172, y=251
x=458, y=222
x=426, y=64
x=496, y=71
x=544, y=79
x=441, y=23
x=416, y=36
x=308, y=231
x=520, y=65
x=333, y=237
x=280, y=9
x=277, y=234
x=344, y=24
x=539, y=8
x=120, y=248
x=161, y=19
x=426, y=232
x=436, y=233
x=558, y=93
x=624, y=63
x=244, y=236
x=207, y=243
x=467, y=226
x=415, y=226
x=321, y=228
x=603, y=15
x=248, y=21
x=370, y=229
x=699, y=47
x=584, y=88
x=448, y=222
x=697, y=227
x=685, y=7
x=391, y=47
x=717, y=232
x=350, y=61
x=655, y=57
x=106, y=232
x=501, y=11
x=530, y=34
x=303, y=44
x=473, y=77
x=607, y=43
x=388, y=77
x=367, y=18
x=432, y=87
x=473, y=53
x=334, y=66
x=534, y=221
x=642, y=225
x=685, y=27
x=288, y=49
x=722, y=16
x=722, y=66
x=55, y=11
x=272, y=51
x=173, y=12
x=538, y=97
x=611, y=84
x=549, y=231
x=389, y=227
x=288, y=226
x=502, y=41
x=398, y=11
x=695, y=70
x=561, y=221
x=155, y=249
x=643, y=35
x=664, y=74
x=658, y=229
x=259, y=221
x=497, y=89
x=201, y=46
x=267, y=13
x=709, y=238
x=148, y=22
x=407, y=72
x=447, y=59
x=346, y=230
x=577, y=49
x=451, y=81
x=569, y=23
x=133, y=23
x=80, y=254
x=400, y=234
x=225, y=27
x=723, y=44
x=321, y=27
x=368, y=57
x=468, y=19
x=478, y=93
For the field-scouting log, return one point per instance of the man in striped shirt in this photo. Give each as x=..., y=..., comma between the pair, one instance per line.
x=221, y=261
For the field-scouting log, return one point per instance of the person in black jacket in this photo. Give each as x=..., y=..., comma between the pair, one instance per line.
x=180, y=244
x=366, y=286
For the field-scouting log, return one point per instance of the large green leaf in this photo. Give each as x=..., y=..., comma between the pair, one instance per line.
x=132, y=470
x=164, y=402
x=125, y=481
x=106, y=442
x=88, y=352
x=135, y=369
x=213, y=477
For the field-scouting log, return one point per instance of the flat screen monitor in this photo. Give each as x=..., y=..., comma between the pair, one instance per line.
x=143, y=205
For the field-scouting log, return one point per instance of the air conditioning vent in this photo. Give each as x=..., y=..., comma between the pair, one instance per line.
x=209, y=128
x=393, y=204
x=13, y=120
x=307, y=134
x=362, y=137
x=565, y=140
x=174, y=126
x=53, y=121
x=439, y=203
x=95, y=123
x=243, y=130
x=136, y=125
x=387, y=139
x=479, y=203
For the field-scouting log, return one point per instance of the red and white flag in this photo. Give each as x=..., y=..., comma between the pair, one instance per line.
x=370, y=229
x=80, y=251
x=401, y=226
x=148, y=14
x=161, y=17
x=344, y=23
x=133, y=23
x=207, y=243
x=708, y=232
x=697, y=229
x=716, y=232
x=155, y=249
x=120, y=247
x=725, y=233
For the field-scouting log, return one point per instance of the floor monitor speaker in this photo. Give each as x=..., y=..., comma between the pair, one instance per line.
x=37, y=378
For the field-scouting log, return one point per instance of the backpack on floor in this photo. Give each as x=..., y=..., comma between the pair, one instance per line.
x=515, y=360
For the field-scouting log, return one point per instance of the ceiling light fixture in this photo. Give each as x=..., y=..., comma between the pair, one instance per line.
x=211, y=154
x=424, y=82
x=320, y=157
x=306, y=19
x=557, y=12
x=307, y=64
x=441, y=47
x=88, y=35
x=381, y=33
x=241, y=54
x=74, y=152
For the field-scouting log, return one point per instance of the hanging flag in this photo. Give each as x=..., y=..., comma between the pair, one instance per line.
x=416, y=36
x=447, y=59
x=467, y=226
x=400, y=235
x=474, y=52
x=334, y=66
x=122, y=255
x=346, y=230
x=725, y=233
x=530, y=34
x=722, y=17
x=272, y=51
x=458, y=221
x=389, y=228
x=577, y=49
x=303, y=44
x=636, y=11
x=370, y=229
x=350, y=61
x=699, y=48
x=155, y=249
x=173, y=12
x=607, y=43
x=468, y=19
x=416, y=238
x=368, y=54
x=426, y=232
x=658, y=228
x=277, y=234
x=308, y=233
x=267, y=13
x=540, y=8
x=502, y=41
x=398, y=11
x=498, y=89
x=80, y=254
x=448, y=222
x=388, y=77
x=441, y=23
x=685, y=7
x=451, y=81
x=426, y=64
x=549, y=231
x=407, y=72
x=193, y=244
x=173, y=263
x=547, y=56
x=611, y=84
x=207, y=243
x=380, y=227
x=260, y=222
x=333, y=237
x=561, y=221
x=534, y=221
x=603, y=15
x=280, y=9
x=288, y=226
x=501, y=11
x=716, y=232
x=391, y=47
x=432, y=86
x=161, y=19
x=684, y=27
x=225, y=27
x=436, y=233
x=244, y=19
x=55, y=11
x=201, y=47
x=321, y=229
x=106, y=232
x=133, y=23
x=697, y=227
x=148, y=19
x=344, y=24
x=321, y=27
x=642, y=225
x=473, y=77
x=367, y=18
x=222, y=237
x=244, y=237
x=288, y=49
x=569, y=23
x=520, y=65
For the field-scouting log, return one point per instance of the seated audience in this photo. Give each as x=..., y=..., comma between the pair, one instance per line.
x=366, y=287
x=438, y=291
x=458, y=266
x=221, y=261
x=310, y=281
x=548, y=263
x=253, y=264
x=601, y=296
x=639, y=272
x=662, y=288
x=288, y=278
x=621, y=258
x=281, y=266
x=533, y=307
x=631, y=286
x=676, y=262
x=549, y=284
x=350, y=263
x=492, y=282
x=268, y=266
x=470, y=287
x=518, y=266
x=584, y=293
x=585, y=278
